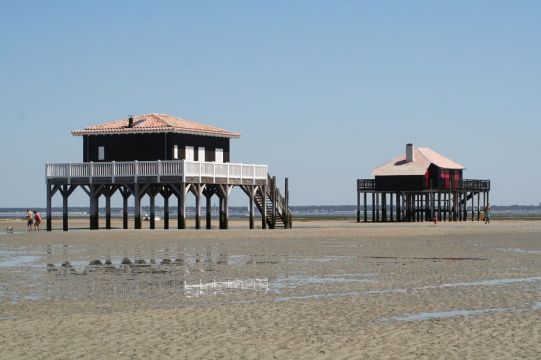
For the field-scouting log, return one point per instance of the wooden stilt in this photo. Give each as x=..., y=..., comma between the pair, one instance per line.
x=365, y=206
x=166, y=212
x=439, y=207
x=383, y=206
x=251, y=190
x=263, y=190
x=285, y=209
x=407, y=207
x=373, y=207
x=457, y=206
x=478, y=206
x=398, y=215
x=208, y=209
x=473, y=205
x=137, y=206
x=197, y=193
x=181, y=198
x=428, y=207
x=448, y=206
x=108, y=193
x=165, y=191
x=221, y=214
x=226, y=205
x=65, y=191
x=124, y=212
x=152, y=198
x=49, y=225
x=417, y=207
x=94, y=206
x=273, y=199
x=125, y=192
x=412, y=207
x=391, y=212
x=378, y=206
x=464, y=205
x=65, y=196
x=358, y=205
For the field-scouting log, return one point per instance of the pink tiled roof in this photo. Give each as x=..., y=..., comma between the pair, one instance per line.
x=422, y=159
x=155, y=123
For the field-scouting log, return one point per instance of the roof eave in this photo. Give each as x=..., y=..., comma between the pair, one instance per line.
x=121, y=132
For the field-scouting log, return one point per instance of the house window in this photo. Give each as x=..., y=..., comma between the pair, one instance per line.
x=175, y=152
x=189, y=153
x=219, y=155
x=445, y=179
x=200, y=153
x=101, y=152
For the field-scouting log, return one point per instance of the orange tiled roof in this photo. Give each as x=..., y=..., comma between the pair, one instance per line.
x=423, y=157
x=155, y=123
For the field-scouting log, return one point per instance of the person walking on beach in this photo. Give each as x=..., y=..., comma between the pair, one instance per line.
x=487, y=214
x=37, y=220
x=29, y=219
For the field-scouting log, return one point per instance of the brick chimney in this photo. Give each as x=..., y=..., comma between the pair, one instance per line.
x=410, y=157
x=130, y=121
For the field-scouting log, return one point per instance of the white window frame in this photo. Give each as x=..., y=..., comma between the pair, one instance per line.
x=175, y=152
x=219, y=157
x=101, y=153
x=189, y=155
x=200, y=153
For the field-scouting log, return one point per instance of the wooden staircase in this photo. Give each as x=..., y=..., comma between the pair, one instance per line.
x=274, y=205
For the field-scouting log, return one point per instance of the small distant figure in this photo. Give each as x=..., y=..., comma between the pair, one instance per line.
x=487, y=214
x=37, y=220
x=29, y=219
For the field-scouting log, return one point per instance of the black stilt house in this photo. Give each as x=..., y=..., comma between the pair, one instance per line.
x=153, y=137
x=424, y=185
x=161, y=155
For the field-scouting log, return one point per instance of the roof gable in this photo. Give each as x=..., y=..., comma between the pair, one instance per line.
x=423, y=157
x=155, y=123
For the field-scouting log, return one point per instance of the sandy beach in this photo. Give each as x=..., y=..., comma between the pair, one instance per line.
x=330, y=289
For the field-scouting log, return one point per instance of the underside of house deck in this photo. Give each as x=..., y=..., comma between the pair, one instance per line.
x=453, y=202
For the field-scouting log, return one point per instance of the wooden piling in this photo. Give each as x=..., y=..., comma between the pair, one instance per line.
x=49, y=223
x=398, y=209
x=181, y=198
x=137, y=206
x=208, y=209
x=197, y=193
x=152, y=197
x=365, y=206
x=285, y=209
x=273, y=199
x=358, y=205
x=251, y=190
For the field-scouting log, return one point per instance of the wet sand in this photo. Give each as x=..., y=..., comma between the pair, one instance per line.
x=323, y=290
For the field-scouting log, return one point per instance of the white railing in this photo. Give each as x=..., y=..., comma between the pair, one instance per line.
x=158, y=168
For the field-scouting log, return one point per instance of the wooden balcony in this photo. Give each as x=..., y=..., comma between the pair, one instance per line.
x=155, y=172
x=448, y=185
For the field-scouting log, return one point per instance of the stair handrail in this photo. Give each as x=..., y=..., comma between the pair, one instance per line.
x=280, y=203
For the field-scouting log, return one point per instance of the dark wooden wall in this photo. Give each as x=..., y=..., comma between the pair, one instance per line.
x=399, y=183
x=151, y=147
x=419, y=182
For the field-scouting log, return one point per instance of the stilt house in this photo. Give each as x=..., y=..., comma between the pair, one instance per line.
x=424, y=185
x=158, y=154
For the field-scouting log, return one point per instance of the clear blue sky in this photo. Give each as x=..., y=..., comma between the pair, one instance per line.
x=321, y=91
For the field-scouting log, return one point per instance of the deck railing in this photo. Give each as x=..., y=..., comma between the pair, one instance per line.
x=366, y=184
x=464, y=184
x=158, y=168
